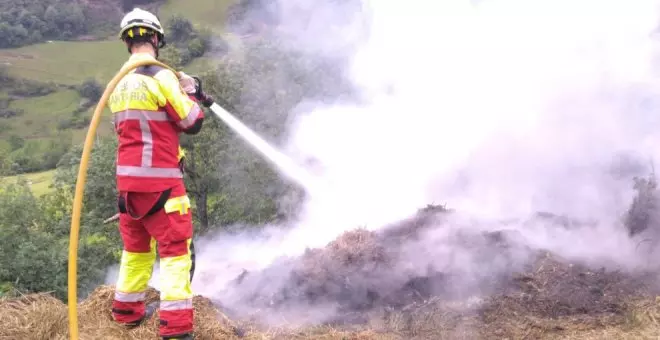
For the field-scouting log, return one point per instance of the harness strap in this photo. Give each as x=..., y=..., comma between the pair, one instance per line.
x=124, y=208
x=192, y=258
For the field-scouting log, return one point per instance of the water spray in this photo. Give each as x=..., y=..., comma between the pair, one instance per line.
x=286, y=165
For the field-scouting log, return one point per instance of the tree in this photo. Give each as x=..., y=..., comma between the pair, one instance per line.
x=180, y=29
x=172, y=57
x=16, y=142
x=197, y=47
x=30, y=21
x=56, y=148
x=203, y=152
x=34, y=243
x=91, y=89
x=100, y=200
x=12, y=35
x=64, y=20
x=29, y=259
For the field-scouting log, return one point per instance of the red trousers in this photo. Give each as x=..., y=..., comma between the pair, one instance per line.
x=169, y=231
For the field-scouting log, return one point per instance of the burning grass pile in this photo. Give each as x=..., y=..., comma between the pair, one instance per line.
x=546, y=298
x=557, y=297
x=362, y=271
x=349, y=270
x=41, y=317
x=552, y=300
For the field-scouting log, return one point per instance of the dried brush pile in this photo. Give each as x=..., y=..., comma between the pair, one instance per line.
x=549, y=298
x=41, y=316
x=353, y=272
x=554, y=296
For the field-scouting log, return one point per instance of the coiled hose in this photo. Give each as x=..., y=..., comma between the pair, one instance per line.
x=80, y=188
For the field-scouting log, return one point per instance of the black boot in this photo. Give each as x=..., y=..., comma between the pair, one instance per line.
x=149, y=311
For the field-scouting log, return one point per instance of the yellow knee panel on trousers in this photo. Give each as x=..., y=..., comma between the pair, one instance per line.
x=175, y=277
x=135, y=270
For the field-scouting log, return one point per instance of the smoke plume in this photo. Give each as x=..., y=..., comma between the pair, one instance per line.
x=498, y=108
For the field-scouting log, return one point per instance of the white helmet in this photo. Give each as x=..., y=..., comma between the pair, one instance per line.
x=144, y=19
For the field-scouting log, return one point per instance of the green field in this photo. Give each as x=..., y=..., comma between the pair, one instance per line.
x=41, y=114
x=39, y=181
x=71, y=62
x=65, y=62
x=210, y=13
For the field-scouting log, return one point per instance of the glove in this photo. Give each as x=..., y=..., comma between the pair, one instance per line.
x=193, y=86
x=203, y=98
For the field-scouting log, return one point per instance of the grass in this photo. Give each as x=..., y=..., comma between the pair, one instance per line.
x=41, y=114
x=66, y=62
x=210, y=13
x=71, y=62
x=200, y=65
x=39, y=181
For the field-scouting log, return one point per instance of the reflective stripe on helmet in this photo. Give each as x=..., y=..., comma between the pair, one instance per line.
x=145, y=23
x=140, y=171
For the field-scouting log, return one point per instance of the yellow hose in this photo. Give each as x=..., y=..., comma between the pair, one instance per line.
x=80, y=186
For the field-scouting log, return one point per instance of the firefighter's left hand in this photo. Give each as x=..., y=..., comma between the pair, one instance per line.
x=188, y=83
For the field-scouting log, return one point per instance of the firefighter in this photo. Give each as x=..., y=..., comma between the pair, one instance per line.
x=152, y=106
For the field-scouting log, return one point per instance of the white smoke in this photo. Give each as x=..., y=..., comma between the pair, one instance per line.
x=499, y=108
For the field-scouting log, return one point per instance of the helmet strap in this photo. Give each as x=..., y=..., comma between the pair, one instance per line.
x=156, y=49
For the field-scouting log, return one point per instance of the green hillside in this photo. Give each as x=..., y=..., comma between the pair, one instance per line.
x=39, y=182
x=210, y=13
x=42, y=114
x=71, y=62
x=60, y=114
x=65, y=62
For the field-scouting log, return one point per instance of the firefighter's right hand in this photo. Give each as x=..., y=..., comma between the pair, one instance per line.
x=203, y=98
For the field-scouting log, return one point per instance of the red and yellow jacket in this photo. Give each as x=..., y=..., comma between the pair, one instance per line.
x=150, y=111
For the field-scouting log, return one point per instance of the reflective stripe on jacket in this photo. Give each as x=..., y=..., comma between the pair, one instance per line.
x=150, y=111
